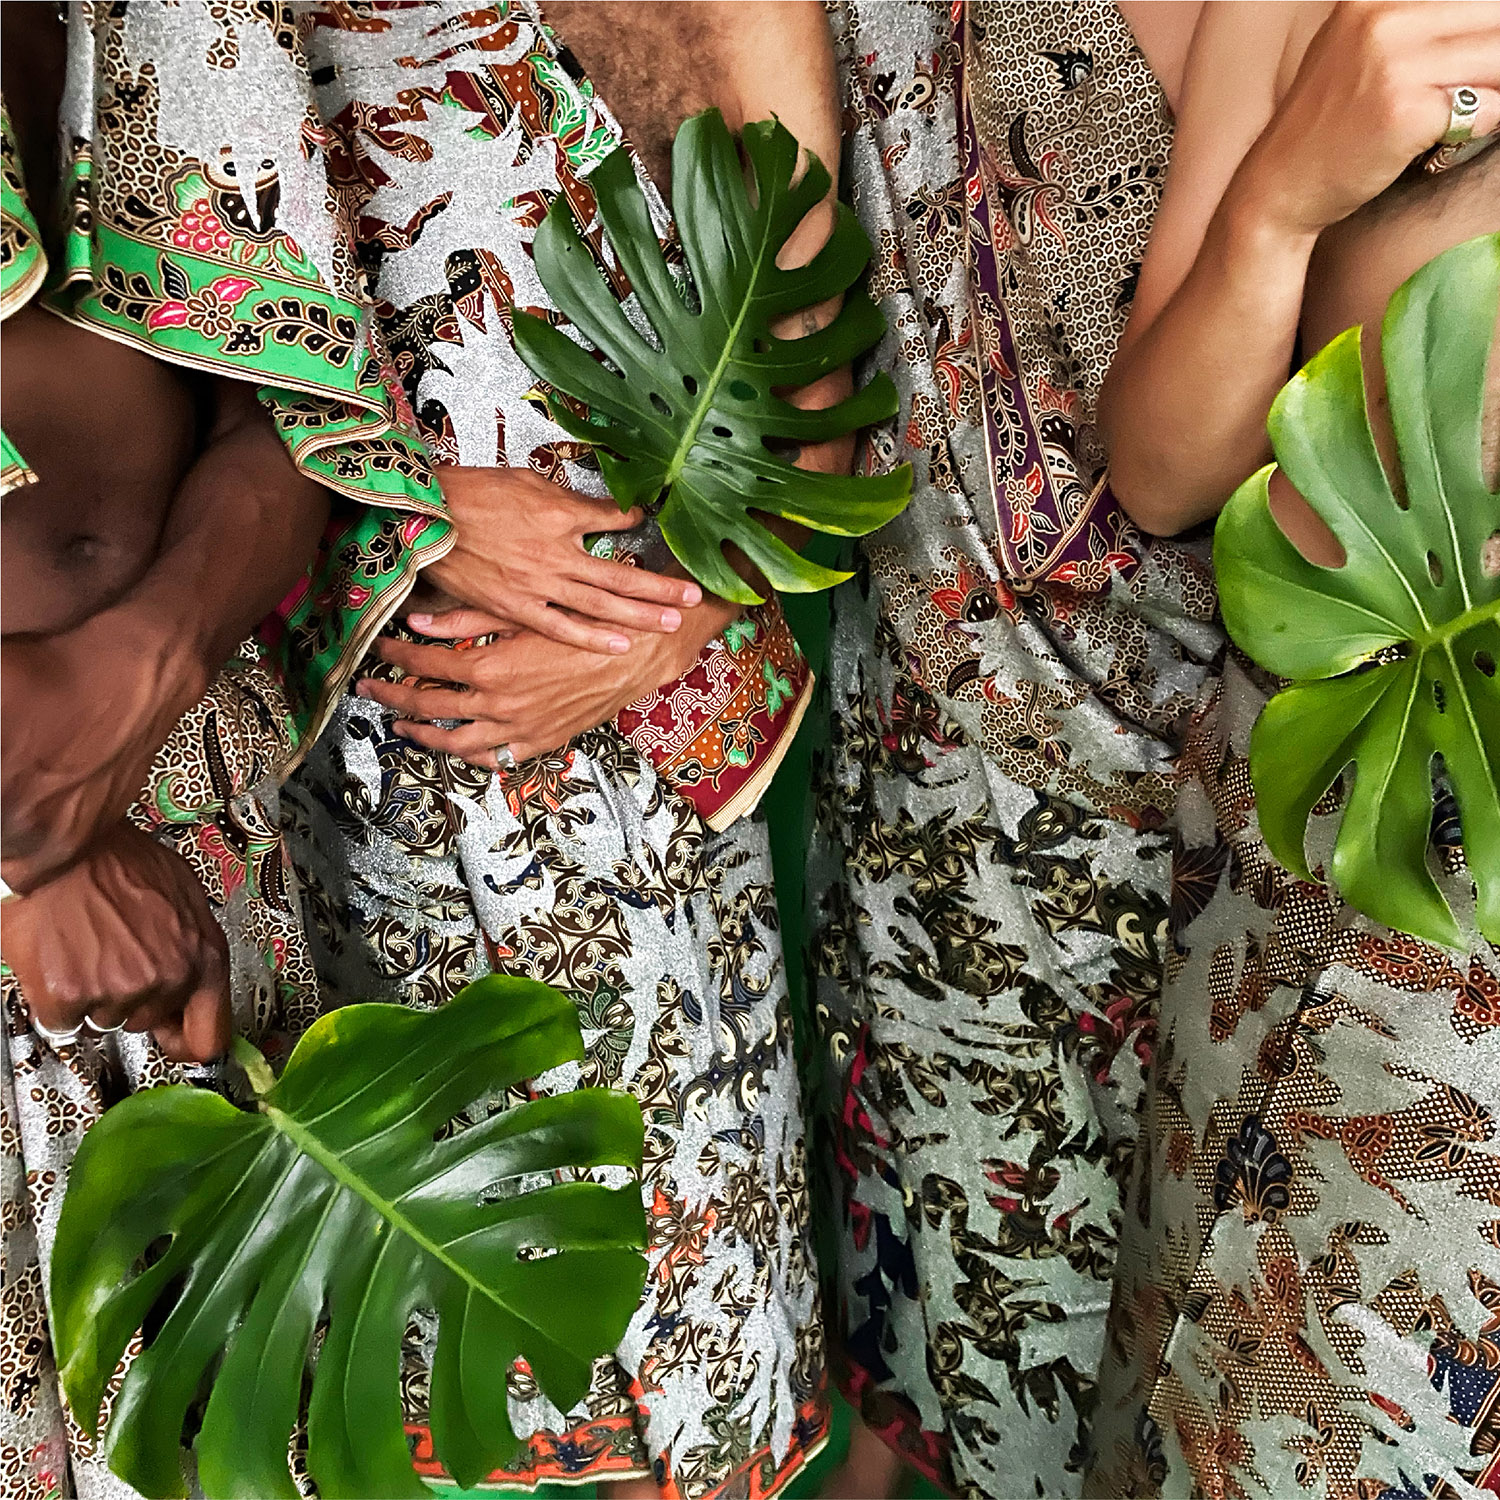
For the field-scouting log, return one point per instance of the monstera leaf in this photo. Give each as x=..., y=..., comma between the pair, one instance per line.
x=694, y=421
x=231, y=1236
x=1393, y=655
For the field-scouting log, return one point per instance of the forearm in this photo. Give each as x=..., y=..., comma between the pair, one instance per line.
x=242, y=530
x=86, y=710
x=1183, y=411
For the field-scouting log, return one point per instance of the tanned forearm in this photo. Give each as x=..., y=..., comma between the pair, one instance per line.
x=1184, y=410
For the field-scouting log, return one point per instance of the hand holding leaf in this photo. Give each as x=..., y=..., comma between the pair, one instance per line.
x=334, y=1201
x=686, y=422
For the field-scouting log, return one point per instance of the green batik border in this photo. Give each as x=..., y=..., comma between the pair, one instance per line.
x=320, y=446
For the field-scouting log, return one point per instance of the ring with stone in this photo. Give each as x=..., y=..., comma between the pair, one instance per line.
x=57, y=1038
x=505, y=760
x=1462, y=109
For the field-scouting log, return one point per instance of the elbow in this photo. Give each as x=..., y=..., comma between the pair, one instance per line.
x=1139, y=480
x=1141, y=477
x=1145, y=502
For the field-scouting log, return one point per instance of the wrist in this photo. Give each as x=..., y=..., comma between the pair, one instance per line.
x=1262, y=207
x=164, y=662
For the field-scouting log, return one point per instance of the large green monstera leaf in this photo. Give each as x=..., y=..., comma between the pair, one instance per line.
x=230, y=1237
x=1392, y=657
x=686, y=421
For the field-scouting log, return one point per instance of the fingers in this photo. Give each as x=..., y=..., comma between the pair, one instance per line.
x=442, y=663
x=631, y=582
x=462, y=624
x=603, y=514
x=474, y=742
x=53, y=1016
x=198, y=1029
x=206, y=1026
x=412, y=702
x=568, y=629
x=1471, y=60
x=592, y=603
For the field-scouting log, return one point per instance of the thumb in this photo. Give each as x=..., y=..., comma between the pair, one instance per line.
x=207, y=1023
x=203, y=1032
x=461, y=624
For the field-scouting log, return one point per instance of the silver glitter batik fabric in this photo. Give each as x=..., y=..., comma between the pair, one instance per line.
x=580, y=868
x=991, y=879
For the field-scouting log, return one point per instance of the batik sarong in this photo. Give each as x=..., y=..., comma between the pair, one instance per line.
x=1007, y=676
x=200, y=226
x=595, y=868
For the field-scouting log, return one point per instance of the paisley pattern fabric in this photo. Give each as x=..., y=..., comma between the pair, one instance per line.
x=991, y=867
x=162, y=248
x=1309, y=1291
x=456, y=128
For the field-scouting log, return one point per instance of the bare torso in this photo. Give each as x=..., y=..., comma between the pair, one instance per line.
x=655, y=65
x=108, y=430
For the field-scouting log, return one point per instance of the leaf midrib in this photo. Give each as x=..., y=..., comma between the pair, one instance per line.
x=1440, y=635
x=711, y=386
x=1462, y=693
x=309, y=1144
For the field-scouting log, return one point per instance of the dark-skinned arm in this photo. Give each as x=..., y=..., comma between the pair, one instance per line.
x=86, y=711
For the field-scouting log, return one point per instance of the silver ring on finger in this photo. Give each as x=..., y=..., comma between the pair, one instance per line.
x=57, y=1038
x=505, y=759
x=1463, y=108
x=99, y=1030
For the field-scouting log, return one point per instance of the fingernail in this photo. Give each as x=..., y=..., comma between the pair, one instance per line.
x=670, y=619
x=692, y=594
x=419, y=622
x=619, y=645
x=362, y=688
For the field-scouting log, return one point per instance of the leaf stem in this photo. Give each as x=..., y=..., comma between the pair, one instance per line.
x=256, y=1068
x=1439, y=634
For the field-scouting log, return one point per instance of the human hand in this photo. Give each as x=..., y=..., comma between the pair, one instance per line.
x=525, y=692
x=1373, y=92
x=125, y=938
x=84, y=715
x=519, y=556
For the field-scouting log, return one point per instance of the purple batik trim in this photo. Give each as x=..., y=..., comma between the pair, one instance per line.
x=1081, y=539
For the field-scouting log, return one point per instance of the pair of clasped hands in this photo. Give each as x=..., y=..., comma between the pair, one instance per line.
x=118, y=933
x=576, y=637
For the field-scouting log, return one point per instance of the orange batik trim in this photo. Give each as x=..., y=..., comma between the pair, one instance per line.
x=609, y=1448
x=718, y=733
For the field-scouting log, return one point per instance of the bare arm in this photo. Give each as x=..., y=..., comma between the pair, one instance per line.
x=87, y=709
x=1265, y=163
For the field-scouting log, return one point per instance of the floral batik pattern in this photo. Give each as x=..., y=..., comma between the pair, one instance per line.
x=1008, y=675
x=209, y=232
x=595, y=868
x=1309, y=1291
x=199, y=225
